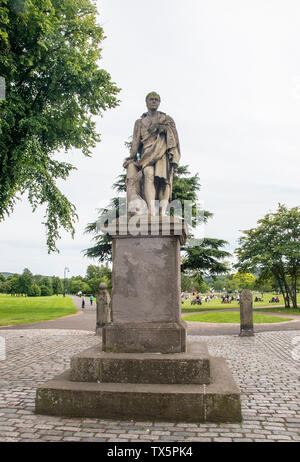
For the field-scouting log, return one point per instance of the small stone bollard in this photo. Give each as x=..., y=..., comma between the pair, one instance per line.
x=246, y=313
x=103, y=308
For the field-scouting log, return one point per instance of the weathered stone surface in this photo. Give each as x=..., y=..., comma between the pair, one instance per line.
x=146, y=280
x=149, y=337
x=103, y=307
x=222, y=396
x=93, y=365
x=246, y=313
x=190, y=403
x=146, y=303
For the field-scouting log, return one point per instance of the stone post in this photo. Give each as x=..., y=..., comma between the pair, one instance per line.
x=103, y=307
x=246, y=313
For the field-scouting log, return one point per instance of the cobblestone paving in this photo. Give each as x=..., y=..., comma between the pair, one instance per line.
x=263, y=366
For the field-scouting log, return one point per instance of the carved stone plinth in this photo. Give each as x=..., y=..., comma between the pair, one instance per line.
x=146, y=301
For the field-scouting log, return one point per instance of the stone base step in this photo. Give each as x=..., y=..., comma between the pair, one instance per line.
x=217, y=402
x=94, y=365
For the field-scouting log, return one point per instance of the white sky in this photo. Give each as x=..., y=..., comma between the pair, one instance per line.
x=229, y=75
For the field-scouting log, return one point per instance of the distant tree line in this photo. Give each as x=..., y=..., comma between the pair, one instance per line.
x=235, y=282
x=228, y=282
x=27, y=284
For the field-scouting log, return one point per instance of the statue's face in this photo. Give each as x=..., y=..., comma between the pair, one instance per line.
x=153, y=102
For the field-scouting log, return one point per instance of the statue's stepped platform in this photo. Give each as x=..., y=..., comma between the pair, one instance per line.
x=93, y=365
x=145, y=369
x=144, y=387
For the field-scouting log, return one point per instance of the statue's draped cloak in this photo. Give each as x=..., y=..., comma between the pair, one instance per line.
x=160, y=150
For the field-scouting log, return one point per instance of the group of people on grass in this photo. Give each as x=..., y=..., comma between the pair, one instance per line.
x=274, y=300
x=229, y=298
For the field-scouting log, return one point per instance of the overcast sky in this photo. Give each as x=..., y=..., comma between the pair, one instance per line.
x=229, y=75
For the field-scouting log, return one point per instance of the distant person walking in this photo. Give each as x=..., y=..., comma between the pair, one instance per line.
x=91, y=299
x=82, y=303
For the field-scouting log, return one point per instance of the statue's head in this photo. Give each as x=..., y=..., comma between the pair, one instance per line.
x=153, y=100
x=102, y=286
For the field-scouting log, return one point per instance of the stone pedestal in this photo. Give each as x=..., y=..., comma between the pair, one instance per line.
x=145, y=369
x=146, y=294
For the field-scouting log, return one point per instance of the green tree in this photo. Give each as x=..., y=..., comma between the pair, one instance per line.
x=25, y=281
x=5, y=287
x=201, y=286
x=219, y=283
x=76, y=284
x=92, y=272
x=3, y=21
x=96, y=274
x=273, y=249
x=207, y=259
x=34, y=291
x=2, y=278
x=57, y=285
x=244, y=281
x=265, y=284
x=49, y=57
x=45, y=291
x=13, y=285
x=187, y=283
x=46, y=282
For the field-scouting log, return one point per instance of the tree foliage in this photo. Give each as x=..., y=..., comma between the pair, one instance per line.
x=49, y=57
x=273, y=249
x=244, y=280
x=207, y=259
x=90, y=283
x=25, y=281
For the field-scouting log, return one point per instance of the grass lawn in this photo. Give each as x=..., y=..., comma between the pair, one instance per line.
x=231, y=317
x=281, y=310
x=25, y=310
x=217, y=305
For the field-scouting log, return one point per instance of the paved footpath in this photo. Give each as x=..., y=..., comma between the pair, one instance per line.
x=265, y=366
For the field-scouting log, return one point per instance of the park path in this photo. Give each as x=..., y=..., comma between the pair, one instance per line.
x=86, y=320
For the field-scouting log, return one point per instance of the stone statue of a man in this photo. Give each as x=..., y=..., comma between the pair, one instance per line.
x=154, y=154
